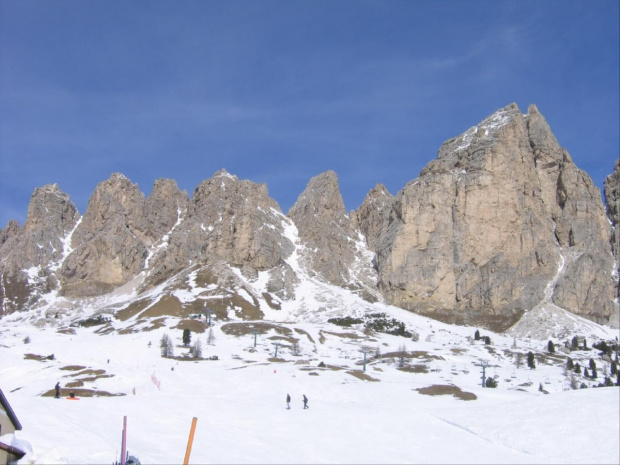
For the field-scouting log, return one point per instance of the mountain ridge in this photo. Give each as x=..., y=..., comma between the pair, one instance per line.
x=476, y=238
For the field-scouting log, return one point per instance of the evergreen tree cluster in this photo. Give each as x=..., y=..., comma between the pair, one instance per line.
x=478, y=337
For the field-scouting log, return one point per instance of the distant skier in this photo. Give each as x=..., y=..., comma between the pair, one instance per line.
x=288, y=402
x=57, y=390
x=305, y=402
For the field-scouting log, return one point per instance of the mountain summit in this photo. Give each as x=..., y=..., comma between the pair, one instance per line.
x=500, y=223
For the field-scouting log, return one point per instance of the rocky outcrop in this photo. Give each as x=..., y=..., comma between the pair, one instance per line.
x=109, y=244
x=373, y=216
x=332, y=248
x=227, y=219
x=612, y=198
x=31, y=254
x=500, y=223
x=11, y=229
x=480, y=233
x=581, y=227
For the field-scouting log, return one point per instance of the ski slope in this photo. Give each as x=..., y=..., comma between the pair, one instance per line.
x=356, y=417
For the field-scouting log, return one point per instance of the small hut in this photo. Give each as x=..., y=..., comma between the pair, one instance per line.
x=8, y=425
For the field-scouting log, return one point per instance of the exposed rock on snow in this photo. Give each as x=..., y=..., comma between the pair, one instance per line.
x=501, y=223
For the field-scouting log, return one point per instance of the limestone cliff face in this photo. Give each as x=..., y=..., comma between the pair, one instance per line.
x=31, y=254
x=612, y=197
x=226, y=220
x=585, y=285
x=109, y=243
x=373, y=216
x=480, y=233
x=499, y=223
x=332, y=248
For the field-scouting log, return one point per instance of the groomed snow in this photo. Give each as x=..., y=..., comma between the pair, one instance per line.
x=239, y=400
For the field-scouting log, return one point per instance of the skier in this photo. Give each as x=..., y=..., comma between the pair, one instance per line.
x=57, y=390
x=288, y=402
x=305, y=402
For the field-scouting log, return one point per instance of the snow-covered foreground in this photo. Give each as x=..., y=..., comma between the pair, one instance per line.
x=239, y=400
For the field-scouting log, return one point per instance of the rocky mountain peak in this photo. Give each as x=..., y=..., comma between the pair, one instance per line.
x=612, y=196
x=31, y=254
x=373, y=215
x=501, y=222
x=321, y=200
x=227, y=220
x=485, y=227
x=331, y=242
x=11, y=230
x=50, y=204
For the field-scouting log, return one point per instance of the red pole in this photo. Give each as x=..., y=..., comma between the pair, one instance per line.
x=124, y=446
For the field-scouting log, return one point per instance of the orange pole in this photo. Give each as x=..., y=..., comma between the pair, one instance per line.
x=190, y=441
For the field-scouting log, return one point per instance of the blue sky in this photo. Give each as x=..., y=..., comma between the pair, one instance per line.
x=280, y=91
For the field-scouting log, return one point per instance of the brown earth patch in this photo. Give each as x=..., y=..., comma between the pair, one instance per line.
x=155, y=324
x=73, y=368
x=39, y=358
x=446, y=390
x=81, y=392
x=301, y=331
x=418, y=368
x=107, y=329
x=195, y=326
x=359, y=374
x=273, y=304
x=133, y=309
x=244, y=329
x=70, y=331
x=458, y=351
x=343, y=335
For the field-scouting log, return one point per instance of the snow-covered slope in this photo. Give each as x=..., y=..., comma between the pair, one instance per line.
x=381, y=415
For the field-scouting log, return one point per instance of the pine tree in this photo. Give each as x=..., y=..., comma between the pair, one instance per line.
x=574, y=344
x=531, y=363
x=592, y=364
x=477, y=335
x=551, y=347
x=586, y=374
x=613, y=369
x=187, y=337
x=577, y=368
x=210, y=337
x=569, y=364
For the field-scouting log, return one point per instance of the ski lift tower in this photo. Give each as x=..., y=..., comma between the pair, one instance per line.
x=207, y=312
x=364, y=351
x=255, y=333
x=483, y=364
x=277, y=344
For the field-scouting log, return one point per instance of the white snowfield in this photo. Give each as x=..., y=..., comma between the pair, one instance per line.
x=239, y=399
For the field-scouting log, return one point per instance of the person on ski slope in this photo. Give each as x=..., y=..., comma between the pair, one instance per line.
x=305, y=402
x=288, y=402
